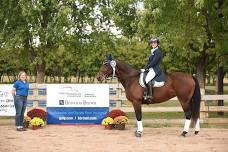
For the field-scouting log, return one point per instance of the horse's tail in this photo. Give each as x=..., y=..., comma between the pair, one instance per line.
x=195, y=103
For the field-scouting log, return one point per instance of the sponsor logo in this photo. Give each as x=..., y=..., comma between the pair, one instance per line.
x=61, y=102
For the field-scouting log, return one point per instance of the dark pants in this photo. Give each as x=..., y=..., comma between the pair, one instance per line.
x=20, y=103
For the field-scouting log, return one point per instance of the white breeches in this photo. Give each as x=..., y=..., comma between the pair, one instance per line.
x=150, y=75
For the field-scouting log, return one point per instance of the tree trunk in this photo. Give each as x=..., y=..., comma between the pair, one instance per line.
x=1, y=78
x=60, y=79
x=40, y=73
x=200, y=73
x=220, y=76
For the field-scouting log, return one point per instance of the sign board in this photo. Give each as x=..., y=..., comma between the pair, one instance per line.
x=6, y=101
x=77, y=103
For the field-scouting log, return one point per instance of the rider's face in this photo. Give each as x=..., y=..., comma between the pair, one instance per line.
x=154, y=44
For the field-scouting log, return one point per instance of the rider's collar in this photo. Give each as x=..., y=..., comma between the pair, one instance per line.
x=152, y=50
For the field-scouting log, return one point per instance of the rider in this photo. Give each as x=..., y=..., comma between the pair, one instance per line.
x=153, y=70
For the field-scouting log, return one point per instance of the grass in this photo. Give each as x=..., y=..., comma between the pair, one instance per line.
x=209, y=89
x=158, y=115
x=159, y=125
x=170, y=115
x=215, y=103
x=215, y=115
x=202, y=125
x=7, y=117
x=207, y=125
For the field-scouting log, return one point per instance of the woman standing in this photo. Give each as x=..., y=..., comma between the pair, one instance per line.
x=20, y=93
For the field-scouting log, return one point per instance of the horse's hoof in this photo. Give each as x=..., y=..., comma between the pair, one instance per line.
x=196, y=132
x=184, y=133
x=138, y=133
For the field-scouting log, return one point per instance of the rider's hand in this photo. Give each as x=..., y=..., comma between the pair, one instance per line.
x=146, y=69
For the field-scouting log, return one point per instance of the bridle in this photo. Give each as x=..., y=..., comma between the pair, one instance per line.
x=112, y=63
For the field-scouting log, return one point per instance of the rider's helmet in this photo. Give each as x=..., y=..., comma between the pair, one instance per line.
x=154, y=39
x=108, y=58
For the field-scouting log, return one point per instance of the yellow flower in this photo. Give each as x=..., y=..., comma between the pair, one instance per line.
x=37, y=122
x=107, y=121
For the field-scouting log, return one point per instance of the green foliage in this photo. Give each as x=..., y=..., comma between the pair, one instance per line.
x=71, y=38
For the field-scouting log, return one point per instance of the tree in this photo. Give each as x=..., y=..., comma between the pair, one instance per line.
x=185, y=29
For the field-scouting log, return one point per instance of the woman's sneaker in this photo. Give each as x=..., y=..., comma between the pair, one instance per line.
x=21, y=129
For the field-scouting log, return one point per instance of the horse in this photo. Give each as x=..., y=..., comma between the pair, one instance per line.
x=182, y=85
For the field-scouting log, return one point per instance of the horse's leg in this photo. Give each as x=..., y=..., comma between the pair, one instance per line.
x=188, y=114
x=138, y=113
x=187, y=123
x=197, y=126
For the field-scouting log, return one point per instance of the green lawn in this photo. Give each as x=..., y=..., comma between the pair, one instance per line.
x=212, y=89
x=202, y=125
x=158, y=115
x=170, y=115
x=215, y=115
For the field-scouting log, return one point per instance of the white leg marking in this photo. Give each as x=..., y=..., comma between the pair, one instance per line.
x=187, y=125
x=140, y=126
x=197, y=125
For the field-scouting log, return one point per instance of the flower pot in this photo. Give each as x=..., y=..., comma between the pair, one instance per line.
x=35, y=127
x=120, y=126
x=109, y=127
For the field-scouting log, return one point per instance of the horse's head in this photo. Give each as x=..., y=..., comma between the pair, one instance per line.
x=107, y=69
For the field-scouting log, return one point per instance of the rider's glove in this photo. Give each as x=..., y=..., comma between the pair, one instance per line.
x=147, y=70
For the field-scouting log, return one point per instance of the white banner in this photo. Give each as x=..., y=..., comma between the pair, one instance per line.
x=6, y=101
x=77, y=95
x=77, y=103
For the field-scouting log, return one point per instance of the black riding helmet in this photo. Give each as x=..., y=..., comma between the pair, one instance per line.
x=154, y=39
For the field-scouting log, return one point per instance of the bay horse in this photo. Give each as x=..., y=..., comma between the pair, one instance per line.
x=182, y=85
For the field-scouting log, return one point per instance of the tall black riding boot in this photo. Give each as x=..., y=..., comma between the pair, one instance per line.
x=149, y=88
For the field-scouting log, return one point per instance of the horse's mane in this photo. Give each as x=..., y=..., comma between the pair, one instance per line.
x=136, y=71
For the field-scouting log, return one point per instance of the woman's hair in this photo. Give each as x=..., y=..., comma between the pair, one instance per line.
x=20, y=73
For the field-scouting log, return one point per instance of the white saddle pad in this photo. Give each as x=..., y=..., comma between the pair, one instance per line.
x=156, y=84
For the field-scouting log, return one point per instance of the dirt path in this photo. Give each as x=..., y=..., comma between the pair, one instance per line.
x=69, y=138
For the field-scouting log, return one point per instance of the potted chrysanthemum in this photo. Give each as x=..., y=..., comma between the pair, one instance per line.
x=107, y=122
x=116, y=119
x=37, y=122
x=120, y=122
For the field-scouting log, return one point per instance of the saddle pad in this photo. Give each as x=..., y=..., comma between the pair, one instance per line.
x=142, y=84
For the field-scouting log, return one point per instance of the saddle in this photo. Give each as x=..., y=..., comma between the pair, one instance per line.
x=148, y=88
x=142, y=80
